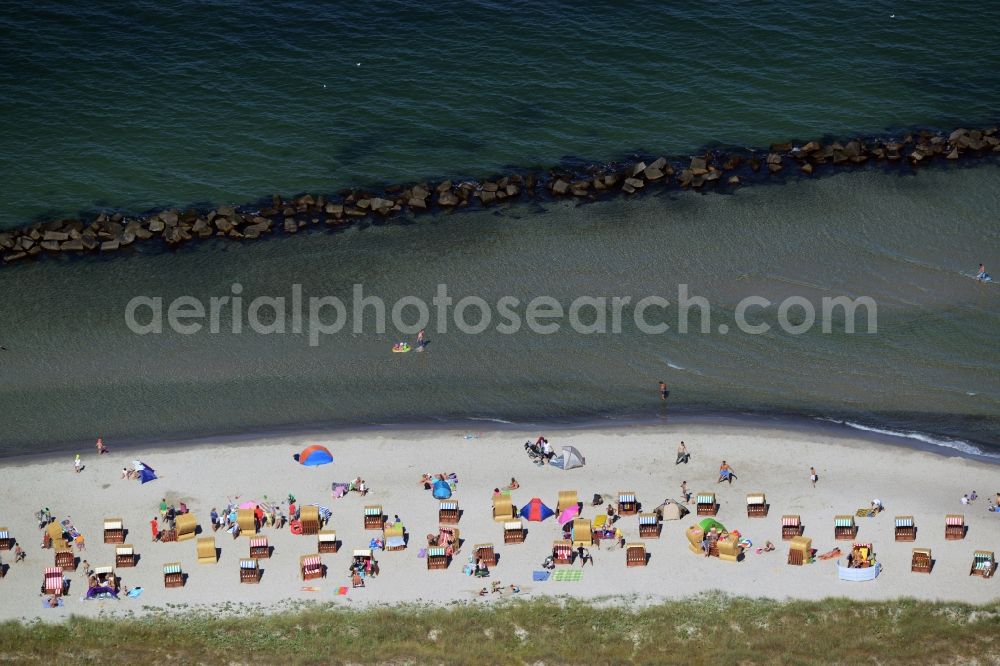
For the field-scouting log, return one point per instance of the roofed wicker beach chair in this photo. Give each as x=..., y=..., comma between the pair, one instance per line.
x=954, y=527
x=311, y=567
x=649, y=526
x=799, y=550
x=485, y=552
x=309, y=518
x=374, y=517
x=905, y=529
x=513, y=531
x=921, y=561
x=186, y=526
x=53, y=581
x=259, y=548
x=437, y=557
x=635, y=554
x=844, y=528
x=627, y=504
x=791, y=527
x=250, y=571
x=757, y=505
x=707, y=505
x=582, y=533
x=172, y=575
x=125, y=555
x=206, y=550
x=247, y=522
x=503, y=509
x=562, y=552
x=6, y=540
x=983, y=564
x=448, y=512
x=114, y=530
x=729, y=548
x=65, y=559
x=567, y=498
x=327, y=541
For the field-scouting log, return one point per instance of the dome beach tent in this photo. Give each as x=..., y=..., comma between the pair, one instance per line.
x=536, y=510
x=146, y=473
x=313, y=456
x=441, y=489
x=570, y=458
x=672, y=510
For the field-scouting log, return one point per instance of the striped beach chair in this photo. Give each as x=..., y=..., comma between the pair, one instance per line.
x=627, y=504
x=259, y=548
x=125, y=555
x=905, y=529
x=448, y=512
x=791, y=527
x=707, y=506
x=562, y=552
x=311, y=567
x=374, y=517
x=954, y=527
x=53, y=582
x=921, y=561
x=249, y=571
x=485, y=552
x=6, y=541
x=437, y=558
x=756, y=505
x=114, y=530
x=649, y=526
x=844, y=528
x=327, y=540
x=172, y=575
x=983, y=564
x=513, y=531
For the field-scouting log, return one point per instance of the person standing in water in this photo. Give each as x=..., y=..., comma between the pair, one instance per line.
x=420, y=340
x=664, y=392
x=982, y=275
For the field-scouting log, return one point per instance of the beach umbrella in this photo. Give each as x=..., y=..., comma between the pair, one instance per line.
x=536, y=510
x=315, y=455
x=569, y=513
x=441, y=489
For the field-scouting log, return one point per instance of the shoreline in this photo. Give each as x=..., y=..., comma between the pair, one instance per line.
x=717, y=169
x=793, y=423
x=636, y=459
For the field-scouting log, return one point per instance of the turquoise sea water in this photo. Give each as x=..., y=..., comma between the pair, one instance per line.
x=145, y=106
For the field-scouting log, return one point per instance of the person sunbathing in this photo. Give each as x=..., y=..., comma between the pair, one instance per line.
x=426, y=480
x=514, y=485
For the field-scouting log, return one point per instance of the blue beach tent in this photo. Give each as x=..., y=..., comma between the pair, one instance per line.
x=441, y=489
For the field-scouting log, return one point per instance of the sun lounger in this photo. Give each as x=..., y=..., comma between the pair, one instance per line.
x=635, y=554
x=799, y=550
x=65, y=559
x=954, y=527
x=983, y=564
x=125, y=555
x=249, y=571
x=581, y=533
x=757, y=505
x=485, y=552
x=844, y=528
x=394, y=538
x=562, y=552
x=259, y=548
x=172, y=575
x=448, y=512
x=567, y=498
x=186, y=526
x=247, y=522
x=311, y=567
x=905, y=529
x=707, y=505
x=53, y=581
x=513, y=531
x=503, y=509
x=649, y=526
x=921, y=561
x=791, y=527
x=6, y=541
x=114, y=531
x=309, y=517
x=327, y=541
x=627, y=504
x=374, y=517
x=206, y=550
x=437, y=557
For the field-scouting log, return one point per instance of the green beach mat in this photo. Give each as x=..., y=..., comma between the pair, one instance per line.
x=568, y=575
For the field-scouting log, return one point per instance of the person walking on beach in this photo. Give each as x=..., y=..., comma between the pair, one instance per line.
x=813, y=476
x=682, y=454
x=420, y=340
x=664, y=392
x=19, y=554
x=584, y=556
x=726, y=473
x=77, y=464
x=154, y=529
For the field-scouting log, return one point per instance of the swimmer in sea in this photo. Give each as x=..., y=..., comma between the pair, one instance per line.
x=982, y=275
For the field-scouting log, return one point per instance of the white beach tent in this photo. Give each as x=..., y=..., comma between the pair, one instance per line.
x=569, y=458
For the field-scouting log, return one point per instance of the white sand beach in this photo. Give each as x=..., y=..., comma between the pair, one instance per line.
x=852, y=471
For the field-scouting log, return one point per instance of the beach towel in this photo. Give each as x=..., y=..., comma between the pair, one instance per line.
x=342, y=591
x=45, y=602
x=135, y=592
x=422, y=553
x=539, y=576
x=568, y=575
x=865, y=513
x=310, y=588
